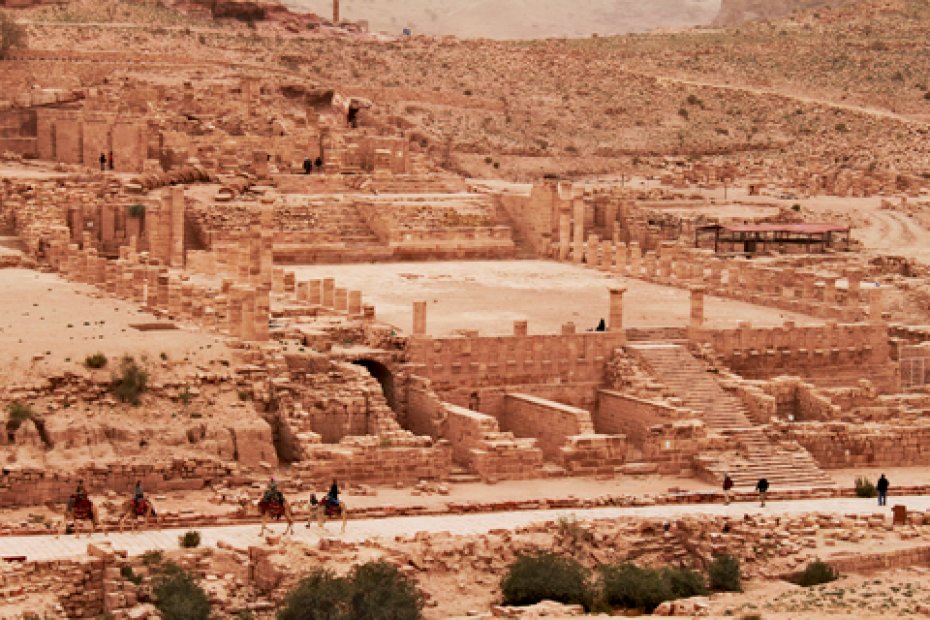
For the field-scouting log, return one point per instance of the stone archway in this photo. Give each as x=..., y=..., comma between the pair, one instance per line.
x=384, y=376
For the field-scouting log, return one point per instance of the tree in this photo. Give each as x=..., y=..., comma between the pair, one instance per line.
x=11, y=34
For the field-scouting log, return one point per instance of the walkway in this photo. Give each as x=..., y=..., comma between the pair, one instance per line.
x=241, y=536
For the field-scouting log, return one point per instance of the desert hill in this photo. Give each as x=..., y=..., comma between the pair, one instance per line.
x=519, y=19
x=738, y=11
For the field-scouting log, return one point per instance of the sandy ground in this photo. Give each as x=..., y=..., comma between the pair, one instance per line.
x=518, y=19
x=48, y=325
x=490, y=295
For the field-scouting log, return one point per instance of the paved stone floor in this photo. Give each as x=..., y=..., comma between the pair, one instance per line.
x=48, y=547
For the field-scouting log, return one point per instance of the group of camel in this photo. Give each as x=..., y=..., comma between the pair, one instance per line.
x=81, y=510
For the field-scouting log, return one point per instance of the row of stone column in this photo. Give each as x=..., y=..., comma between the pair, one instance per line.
x=614, y=314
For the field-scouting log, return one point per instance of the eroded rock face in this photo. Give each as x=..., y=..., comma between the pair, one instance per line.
x=738, y=11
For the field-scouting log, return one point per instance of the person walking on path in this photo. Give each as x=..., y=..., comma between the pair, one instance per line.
x=763, y=488
x=727, y=485
x=882, y=487
x=103, y=161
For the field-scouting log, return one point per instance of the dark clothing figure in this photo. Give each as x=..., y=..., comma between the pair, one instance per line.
x=308, y=166
x=332, y=497
x=601, y=326
x=727, y=485
x=882, y=487
x=272, y=494
x=110, y=162
x=318, y=163
x=763, y=488
x=103, y=161
x=137, y=493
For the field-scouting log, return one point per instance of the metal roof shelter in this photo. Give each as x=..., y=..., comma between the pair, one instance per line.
x=754, y=238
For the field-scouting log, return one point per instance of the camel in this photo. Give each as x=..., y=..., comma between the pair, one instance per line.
x=80, y=509
x=276, y=508
x=132, y=510
x=323, y=509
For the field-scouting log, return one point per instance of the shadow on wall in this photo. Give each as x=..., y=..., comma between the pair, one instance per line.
x=384, y=376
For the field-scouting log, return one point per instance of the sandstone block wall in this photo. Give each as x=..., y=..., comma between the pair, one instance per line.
x=551, y=423
x=618, y=413
x=838, y=445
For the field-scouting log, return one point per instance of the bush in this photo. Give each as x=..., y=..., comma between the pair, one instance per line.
x=152, y=557
x=128, y=574
x=97, y=360
x=18, y=413
x=816, y=573
x=374, y=591
x=136, y=210
x=541, y=576
x=864, y=487
x=723, y=573
x=178, y=595
x=631, y=587
x=319, y=596
x=11, y=34
x=130, y=382
x=190, y=539
x=381, y=592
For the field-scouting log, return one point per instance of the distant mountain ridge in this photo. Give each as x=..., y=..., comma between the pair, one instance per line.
x=734, y=12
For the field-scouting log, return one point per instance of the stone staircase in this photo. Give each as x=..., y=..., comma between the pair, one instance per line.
x=689, y=379
x=783, y=464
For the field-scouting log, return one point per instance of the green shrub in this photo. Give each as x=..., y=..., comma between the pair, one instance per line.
x=130, y=382
x=684, y=582
x=18, y=413
x=381, y=592
x=128, y=574
x=864, y=487
x=816, y=573
x=152, y=557
x=631, y=587
x=178, y=596
x=136, y=210
x=189, y=540
x=723, y=574
x=373, y=591
x=97, y=360
x=319, y=596
x=541, y=576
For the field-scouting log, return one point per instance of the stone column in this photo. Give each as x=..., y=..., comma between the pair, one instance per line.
x=615, y=312
x=520, y=328
x=852, y=289
x=335, y=11
x=635, y=260
x=590, y=250
x=329, y=292
x=419, y=318
x=176, y=256
x=314, y=292
x=607, y=255
x=697, y=307
x=578, y=230
x=355, y=303
x=565, y=231
x=341, y=297
x=875, y=305
x=620, y=261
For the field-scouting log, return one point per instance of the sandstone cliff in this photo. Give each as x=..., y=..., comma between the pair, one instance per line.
x=738, y=11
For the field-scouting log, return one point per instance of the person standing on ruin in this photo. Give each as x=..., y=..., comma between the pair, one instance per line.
x=308, y=165
x=727, y=485
x=882, y=487
x=103, y=161
x=762, y=487
x=110, y=161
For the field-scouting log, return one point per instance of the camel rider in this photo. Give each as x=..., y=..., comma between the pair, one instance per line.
x=79, y=494
x=137, y=493
x=332, y=497
x=272, y=493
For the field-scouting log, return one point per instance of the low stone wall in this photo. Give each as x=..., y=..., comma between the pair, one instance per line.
x=373, y=463
x=30, y=487
x=551, y=423
x=837, y=445
x=618, y=413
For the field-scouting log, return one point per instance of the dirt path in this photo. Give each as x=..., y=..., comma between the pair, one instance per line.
x=50, y=548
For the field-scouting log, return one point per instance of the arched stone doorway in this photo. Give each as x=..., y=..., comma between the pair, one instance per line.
x=384, y=376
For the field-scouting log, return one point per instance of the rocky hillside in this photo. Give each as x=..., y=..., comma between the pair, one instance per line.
x=738, y=11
